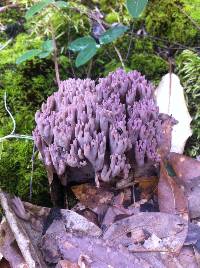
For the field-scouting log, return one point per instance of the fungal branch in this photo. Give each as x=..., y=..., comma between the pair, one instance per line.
x=12, y=133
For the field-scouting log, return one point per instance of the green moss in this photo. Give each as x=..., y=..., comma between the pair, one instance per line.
x=15, y=170
x=26, y=86
x=193, y=9
x=152, y=66
x=112, y=17
x=164, y=19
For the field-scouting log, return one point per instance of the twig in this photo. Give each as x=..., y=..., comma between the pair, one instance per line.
x=12, y=133
x=32, y=170
x=120, y=56
x=55, y=58
x=6, y=44
x=16, y=136
x=69, y=54
x=11, y=116
x=3, y=9
x=170, y=84
x=89, y=68
x=130, y=44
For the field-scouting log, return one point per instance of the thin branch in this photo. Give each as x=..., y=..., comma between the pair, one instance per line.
x=130, y=44
x=167, y=43
x=16, y=136
x=32, y=170
x=55, y=57
x=89, y=68
x=170, y=84
x=12, y=134
x=69, y=54
x=120, y=56
x=6, y=44
x=11, y=116
x=3, y=9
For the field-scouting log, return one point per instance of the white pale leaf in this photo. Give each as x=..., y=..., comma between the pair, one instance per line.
x=173, y=102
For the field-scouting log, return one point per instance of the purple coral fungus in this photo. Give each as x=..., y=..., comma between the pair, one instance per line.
x=108, y=127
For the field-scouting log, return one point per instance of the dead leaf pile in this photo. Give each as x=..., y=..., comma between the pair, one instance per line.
x=146, y=221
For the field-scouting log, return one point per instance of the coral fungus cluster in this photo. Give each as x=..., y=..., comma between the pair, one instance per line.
x=109, y=126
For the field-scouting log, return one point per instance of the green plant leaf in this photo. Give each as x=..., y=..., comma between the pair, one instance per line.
x=37, y=8
x=47, y=45
x=44, y=54
x=81, y=43
x=135, y=7
x=86, y=54
x=28, y=55
x=61, y=4
x=112, y=34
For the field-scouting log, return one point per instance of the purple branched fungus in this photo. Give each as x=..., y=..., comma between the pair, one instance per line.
x=108, y=127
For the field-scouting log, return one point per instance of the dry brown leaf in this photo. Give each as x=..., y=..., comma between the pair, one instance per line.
x=187, y=172
x=186, y=259
x=67, y=264
x=186, y=168
x=147, y=186
x=165, y=146
x=91, y=196
x=162, y=232
x=101, y=254
x=4, y=263
x=171, y=196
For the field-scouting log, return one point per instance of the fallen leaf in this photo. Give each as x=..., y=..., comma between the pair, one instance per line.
x=91, y=196
x=147, y=186
x=186, y=168
x=170, y=230
x=99, y=252
x=171, y=197
x=165, y=144
x=66, y=264
x=193, y=236
x=187, y=172
x=185, y=259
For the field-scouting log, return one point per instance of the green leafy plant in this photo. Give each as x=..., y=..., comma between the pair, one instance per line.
x=87, y=47
x=46, y=49
x=135, y=7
